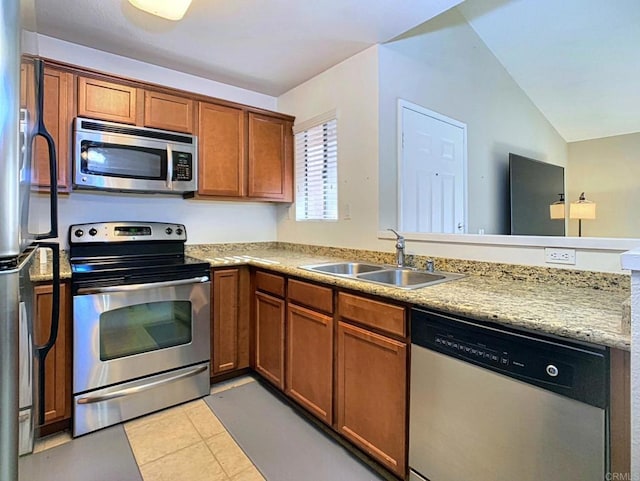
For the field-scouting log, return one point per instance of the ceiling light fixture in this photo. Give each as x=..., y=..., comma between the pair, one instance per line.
x=169, y=9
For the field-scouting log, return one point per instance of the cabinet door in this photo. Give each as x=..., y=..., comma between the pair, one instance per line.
x=57, y=395
x=270, y=158
x=58, y=115
x=221, y=156
x=269, y=333
x=372, y=394
x=168, y=112
x=224, y=335
x=102, y=100
x=310, y=360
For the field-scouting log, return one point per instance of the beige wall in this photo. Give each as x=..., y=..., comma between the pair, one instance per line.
x=444, y=66
x=351, y=88
x=607, y=170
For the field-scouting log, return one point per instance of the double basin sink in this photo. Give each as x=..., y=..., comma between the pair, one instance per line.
x=400, y=277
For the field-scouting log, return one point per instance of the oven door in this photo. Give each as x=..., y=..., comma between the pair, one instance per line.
x=127, y=332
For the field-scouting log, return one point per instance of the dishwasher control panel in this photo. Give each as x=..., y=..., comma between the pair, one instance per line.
x=493, y=353
x=576, y=371
x=477, y=351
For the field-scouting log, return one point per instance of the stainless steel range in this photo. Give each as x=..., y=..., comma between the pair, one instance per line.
x=140, y=321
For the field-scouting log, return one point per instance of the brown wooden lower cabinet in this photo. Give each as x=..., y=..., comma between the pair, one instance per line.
x=224, y=311
x=57, y=394
x=269, y=335
x=309, y=360
x=372, y=394
x=230, y=312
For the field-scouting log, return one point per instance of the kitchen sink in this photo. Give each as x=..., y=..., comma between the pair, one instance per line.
x=402, y=278
x=345, y=268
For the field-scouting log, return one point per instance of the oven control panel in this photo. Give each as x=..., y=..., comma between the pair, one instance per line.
x=126, y=231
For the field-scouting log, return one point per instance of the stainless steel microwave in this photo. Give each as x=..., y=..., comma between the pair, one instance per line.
x=119, y=157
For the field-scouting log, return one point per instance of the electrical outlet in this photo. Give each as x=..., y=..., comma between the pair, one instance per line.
x=346, y=212
x=560, y=256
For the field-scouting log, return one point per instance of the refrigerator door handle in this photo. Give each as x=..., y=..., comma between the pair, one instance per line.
x=42, y=131
x=42, y=351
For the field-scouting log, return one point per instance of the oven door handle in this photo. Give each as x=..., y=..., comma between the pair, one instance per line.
x=136, y=287
x=144, y=387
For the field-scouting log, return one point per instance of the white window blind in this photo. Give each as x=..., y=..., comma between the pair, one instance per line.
x=317, y=170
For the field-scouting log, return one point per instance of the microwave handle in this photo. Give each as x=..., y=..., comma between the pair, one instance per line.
x=169, y=167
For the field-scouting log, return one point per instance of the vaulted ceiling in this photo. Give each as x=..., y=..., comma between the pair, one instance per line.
x=577, y=60
x=266, y=46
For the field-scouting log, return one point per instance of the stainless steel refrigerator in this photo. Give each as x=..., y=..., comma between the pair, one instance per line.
x=21, y=360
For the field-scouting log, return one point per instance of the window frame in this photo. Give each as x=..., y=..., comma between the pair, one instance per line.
x=321, y=186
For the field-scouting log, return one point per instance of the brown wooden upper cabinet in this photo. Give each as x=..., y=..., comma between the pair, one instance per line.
x=221, y=152
x=244, y=154
x=57, y=113
x=270, y=165
x=168, y=112
x=111, y=101
x=116, y=102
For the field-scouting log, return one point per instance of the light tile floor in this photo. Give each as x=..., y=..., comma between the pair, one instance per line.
x=186, y=442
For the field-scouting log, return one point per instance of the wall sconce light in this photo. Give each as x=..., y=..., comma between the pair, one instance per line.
x=582, y=209
x=169, y=9
x=557, y=209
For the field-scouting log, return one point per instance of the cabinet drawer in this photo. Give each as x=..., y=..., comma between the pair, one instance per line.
x=311, y=295
x=372, y=313
x=272, y=283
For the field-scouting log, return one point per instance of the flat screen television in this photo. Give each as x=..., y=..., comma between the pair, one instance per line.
x=533, y=186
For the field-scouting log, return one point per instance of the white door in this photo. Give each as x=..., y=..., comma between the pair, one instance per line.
x=431, y=172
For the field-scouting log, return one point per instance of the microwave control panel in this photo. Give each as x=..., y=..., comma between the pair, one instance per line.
x=182, y=166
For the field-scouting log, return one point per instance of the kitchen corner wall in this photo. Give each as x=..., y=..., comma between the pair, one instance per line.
x=206, y=221
x=351, y=87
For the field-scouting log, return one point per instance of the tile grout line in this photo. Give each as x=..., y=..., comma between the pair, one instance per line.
x=181, y=408
x=126, y=435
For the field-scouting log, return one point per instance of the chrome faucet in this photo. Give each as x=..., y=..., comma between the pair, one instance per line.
x=430, y=265
x=399, y=249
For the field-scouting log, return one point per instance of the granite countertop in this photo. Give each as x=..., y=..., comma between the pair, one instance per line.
x=565, y=309
x=579, y=313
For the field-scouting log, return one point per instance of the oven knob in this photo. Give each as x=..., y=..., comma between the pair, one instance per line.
x=78, y=233
x=179, y=231
x=169, y=230
x=92, y=231
x=552, y=370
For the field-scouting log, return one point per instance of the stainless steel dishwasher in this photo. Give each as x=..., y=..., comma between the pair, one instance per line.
x=490, y=404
